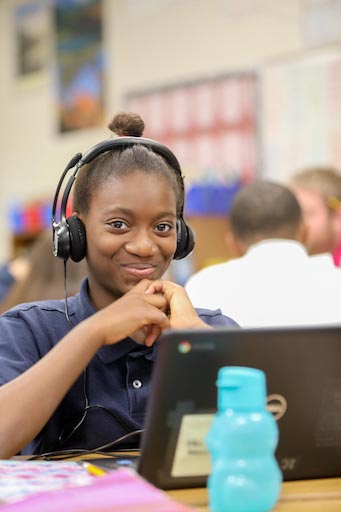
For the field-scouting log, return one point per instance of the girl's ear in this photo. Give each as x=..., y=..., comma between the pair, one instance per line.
x=78, y=215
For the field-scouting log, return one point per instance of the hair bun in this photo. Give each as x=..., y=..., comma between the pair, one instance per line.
x=127, y=124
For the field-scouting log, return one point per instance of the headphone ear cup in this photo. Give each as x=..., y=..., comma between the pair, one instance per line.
x=185, y=240
x=77, y=238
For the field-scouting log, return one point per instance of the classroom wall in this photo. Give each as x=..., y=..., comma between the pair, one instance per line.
x=147, y=43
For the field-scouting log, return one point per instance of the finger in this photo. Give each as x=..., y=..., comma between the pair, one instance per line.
x=140, y=334
x=152, y=336
x=141, y=286
x=163, y=322
x=166, y=288
x=159, y=301
x=155, y=287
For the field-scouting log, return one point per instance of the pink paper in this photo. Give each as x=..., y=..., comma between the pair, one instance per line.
x=119, y=491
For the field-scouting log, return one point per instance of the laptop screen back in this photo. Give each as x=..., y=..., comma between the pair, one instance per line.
x=303, y=372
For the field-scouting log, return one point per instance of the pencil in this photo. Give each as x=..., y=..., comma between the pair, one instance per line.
x=93, y=470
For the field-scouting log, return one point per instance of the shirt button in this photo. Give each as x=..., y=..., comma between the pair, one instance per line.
x=137, y=384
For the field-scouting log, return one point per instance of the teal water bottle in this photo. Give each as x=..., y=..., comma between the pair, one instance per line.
x=245, y=476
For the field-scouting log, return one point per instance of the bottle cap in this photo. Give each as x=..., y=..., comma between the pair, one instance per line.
x=241, y=388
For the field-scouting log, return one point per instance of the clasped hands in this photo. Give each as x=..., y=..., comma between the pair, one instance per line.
x=147, y=310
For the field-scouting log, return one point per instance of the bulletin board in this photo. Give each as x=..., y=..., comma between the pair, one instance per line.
x=302, y=114
x=212, y=127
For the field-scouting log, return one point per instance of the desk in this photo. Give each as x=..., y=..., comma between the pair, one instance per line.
x=315, y=495
x=299, y=496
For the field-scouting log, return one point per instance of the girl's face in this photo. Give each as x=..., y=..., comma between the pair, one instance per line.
x=131, y=234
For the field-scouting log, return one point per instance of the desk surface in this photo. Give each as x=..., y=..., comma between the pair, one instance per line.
x=315, y=495
x=299, y=496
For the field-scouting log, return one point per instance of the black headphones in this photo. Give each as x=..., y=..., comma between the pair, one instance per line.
x=69, y=235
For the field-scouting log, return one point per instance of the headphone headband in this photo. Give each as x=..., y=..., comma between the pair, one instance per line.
x=123, y=142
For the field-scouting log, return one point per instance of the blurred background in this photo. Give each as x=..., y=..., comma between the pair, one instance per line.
x=238, y=89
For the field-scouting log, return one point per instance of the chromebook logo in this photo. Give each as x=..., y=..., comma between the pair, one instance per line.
x=184, y=347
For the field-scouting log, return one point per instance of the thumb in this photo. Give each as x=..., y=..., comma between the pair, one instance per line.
x=153, y=334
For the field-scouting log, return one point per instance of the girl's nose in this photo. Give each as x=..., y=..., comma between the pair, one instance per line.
x=141, y=244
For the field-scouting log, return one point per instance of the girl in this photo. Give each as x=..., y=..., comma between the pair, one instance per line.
x=82, y=379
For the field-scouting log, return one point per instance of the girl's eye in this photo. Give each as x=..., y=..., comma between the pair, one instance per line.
x=163, y=228
x=118, y=224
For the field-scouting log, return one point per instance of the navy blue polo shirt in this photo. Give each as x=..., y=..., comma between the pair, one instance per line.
x=117, y=379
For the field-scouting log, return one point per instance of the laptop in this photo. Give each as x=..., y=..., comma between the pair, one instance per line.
x=303, y=372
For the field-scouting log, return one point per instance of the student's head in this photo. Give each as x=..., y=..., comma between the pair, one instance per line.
x=129, y=200
x=318, y=191
x=44, y=278
x=263, y=210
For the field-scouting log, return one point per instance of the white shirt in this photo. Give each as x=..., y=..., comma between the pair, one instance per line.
x=276, y=283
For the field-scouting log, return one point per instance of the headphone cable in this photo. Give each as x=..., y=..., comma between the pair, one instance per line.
x=73, y=452
x=66, y=296
x=85, y=396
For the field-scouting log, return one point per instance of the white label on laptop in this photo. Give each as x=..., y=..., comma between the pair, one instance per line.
x=191, y=455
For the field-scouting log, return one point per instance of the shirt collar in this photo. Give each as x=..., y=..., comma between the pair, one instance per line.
x=110, y=353
x=84, y=307
x=277, y=247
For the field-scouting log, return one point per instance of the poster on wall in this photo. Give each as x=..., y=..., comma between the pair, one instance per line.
x=211, y=125
x=302, y=114
x=79, y=63
x=321, y=21
x=31, y=29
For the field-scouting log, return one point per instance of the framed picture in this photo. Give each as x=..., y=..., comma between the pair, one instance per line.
x=31, y=32
x=79, y=63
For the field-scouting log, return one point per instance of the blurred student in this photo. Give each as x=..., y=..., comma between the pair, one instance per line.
x=43, y=278
x=83, y=380
x=11, y=273
x=318, y=190
x=273, y=281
